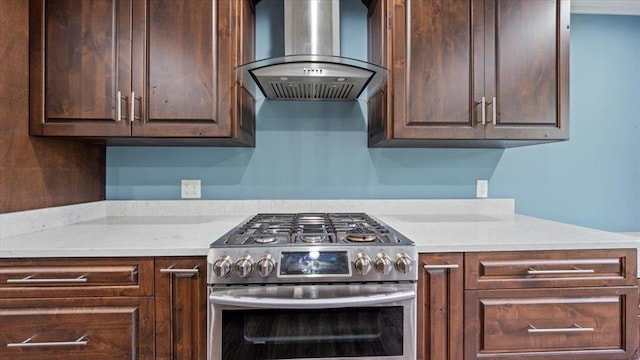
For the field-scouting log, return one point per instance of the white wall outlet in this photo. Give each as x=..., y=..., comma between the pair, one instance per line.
x=482, y=188
x=190, y=189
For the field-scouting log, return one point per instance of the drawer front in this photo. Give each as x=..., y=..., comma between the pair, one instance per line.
x=76, y=329
x=530, y=269
x=585, y=323
x=75, y=277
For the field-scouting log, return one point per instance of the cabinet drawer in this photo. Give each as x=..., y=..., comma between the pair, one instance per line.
x=561, y=268
x=580, y=323
x=75, y=277
x=89, y=328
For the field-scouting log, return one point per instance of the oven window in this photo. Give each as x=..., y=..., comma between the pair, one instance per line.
x=293, y=334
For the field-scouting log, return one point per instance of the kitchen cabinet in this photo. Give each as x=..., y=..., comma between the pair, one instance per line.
x=440, y=306
x=469, y=73
x=181, y=308
x=155, y=72
x=578, y=304
x=76, y=309
x=103, y=308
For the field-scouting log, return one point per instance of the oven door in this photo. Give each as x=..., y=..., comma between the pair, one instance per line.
x=342, y=321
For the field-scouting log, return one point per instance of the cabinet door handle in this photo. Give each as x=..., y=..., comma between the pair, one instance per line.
x=494, y=107
x=81, y=341
x=484, y=110
x=132, y=116
x=31, y=280
x=119, y=107
x=441, y=266
x=574, y=328
x=180, y=272
x=575, y=270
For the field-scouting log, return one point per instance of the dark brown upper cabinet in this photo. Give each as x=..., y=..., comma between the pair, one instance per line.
x=469, y=73
x=154, y=72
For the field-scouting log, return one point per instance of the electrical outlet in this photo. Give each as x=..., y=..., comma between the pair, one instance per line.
x=482, y=188
x=190, y=189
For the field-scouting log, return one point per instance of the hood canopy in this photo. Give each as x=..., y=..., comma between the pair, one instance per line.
x=312, y=68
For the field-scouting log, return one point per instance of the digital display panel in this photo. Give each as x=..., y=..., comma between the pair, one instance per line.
x=301, y=263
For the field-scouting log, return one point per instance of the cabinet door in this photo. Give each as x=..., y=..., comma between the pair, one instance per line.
x=80, y=328
x=429, y=53
x=185, y=53
x=79, y=57
x=181, y=308
x=527, y=69
x=440, y=307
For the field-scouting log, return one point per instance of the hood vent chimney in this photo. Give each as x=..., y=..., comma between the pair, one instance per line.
x=312, y=68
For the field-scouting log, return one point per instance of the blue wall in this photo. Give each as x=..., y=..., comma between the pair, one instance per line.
x=319, y=150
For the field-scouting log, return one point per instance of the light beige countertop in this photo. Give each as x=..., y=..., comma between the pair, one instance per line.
x=186, y=228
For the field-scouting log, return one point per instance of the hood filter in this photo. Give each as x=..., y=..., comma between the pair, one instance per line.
x=315, y=91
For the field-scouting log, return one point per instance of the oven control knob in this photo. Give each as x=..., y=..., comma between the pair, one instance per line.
x=244, y=266
x=265, y=266
x=403, y=263
x=222, y=266
x=362, y=264
x=383, y=264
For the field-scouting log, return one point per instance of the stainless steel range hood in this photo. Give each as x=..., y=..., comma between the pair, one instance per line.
x=312, y=68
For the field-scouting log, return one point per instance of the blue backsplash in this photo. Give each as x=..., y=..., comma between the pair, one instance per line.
x=318, y=150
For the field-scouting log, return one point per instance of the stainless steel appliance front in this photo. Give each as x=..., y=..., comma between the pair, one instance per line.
x=326, y=321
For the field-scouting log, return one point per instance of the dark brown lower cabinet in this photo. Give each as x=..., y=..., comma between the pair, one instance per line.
x=77, y=328
x=440, y=307
x=103, y=308
x=543, y=324
x=181, y=308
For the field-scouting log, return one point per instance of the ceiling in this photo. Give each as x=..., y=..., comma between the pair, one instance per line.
x=612, y=7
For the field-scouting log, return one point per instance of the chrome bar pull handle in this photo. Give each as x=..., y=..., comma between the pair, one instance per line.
x=573, y=329
x=180, y=272
x=440, y=267
x=494, y=111
x=119, y=107
x=81, y=341
x=484, y=111
x=132, y=116
x=133, y=107
x=494, y=107
x=31, y=280
x=575, y=270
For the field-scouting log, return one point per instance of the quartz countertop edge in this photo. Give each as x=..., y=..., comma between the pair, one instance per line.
x=139, y=228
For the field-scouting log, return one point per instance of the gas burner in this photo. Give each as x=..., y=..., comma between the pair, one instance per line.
x=314, y=239
x=264, y=240
x=361, y=238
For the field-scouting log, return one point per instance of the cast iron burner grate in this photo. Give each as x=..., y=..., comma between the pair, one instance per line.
x=310, y=229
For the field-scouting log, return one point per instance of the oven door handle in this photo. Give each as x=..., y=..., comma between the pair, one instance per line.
x=279, y=303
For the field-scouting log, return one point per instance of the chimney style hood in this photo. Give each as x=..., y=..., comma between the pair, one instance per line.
x=312, y=68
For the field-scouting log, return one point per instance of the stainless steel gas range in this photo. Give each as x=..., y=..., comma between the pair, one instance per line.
x=312, y=286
